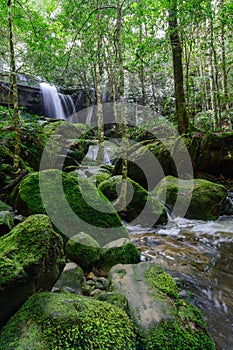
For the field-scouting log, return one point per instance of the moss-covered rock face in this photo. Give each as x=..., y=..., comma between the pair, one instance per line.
x=121, y=251
x=74, y=205
x=162, y=319
x=203, y=199
x=61, y=321
x=31, y=259
x=147, y=164
x=216, y=154
x=142, y=208
x=83, y=250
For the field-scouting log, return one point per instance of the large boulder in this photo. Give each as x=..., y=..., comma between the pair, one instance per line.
x=31, y=260
x=193, y=199
x=83, y=249
x=216, y=154
x=163, y=320
x=121, y=251
x=60, y=321
x=74, y=205
x=141, y=207
x=211, y=153
x=147, y=164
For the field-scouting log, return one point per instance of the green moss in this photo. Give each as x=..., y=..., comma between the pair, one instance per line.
x=90, y=209
x=203, y=199
x=101, y=177
x=173, y=335
x=83, y=250
x=27, y=246
x=187, y=331
x=72, y=322
x=4, y=206
x=125, y=253
x=161, y=281
x=154, y=211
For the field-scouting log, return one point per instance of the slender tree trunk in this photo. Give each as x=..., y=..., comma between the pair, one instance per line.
x=112, y=80
x=213, y=99
x=121, y=203
x=100, y=118
x=226, y=106
x=14, y=89
x=181, y=112
x=142, y=72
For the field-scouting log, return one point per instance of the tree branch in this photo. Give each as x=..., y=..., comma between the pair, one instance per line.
x=82, y=26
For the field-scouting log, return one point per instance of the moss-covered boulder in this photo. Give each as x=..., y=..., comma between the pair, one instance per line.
x=83, y=249
x=216, y=154
x=162, y=319
x=141, y=207
x=121, y=251
x=31, y=260
x=193, y=199
x=61, y=321
x=74, y=205
x=147, y=164
x=100, y=177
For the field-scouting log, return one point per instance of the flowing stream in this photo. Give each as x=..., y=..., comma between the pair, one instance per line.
x=201, y=254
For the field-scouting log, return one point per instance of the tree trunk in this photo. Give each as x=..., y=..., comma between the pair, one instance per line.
x=213, y=97
x=121, y=202
x=112, y=81
x=181, y=112
x=226, y=106
x=100, y=118
x=14, y=89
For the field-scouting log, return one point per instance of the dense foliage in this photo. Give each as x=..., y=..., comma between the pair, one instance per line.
x=64, y=41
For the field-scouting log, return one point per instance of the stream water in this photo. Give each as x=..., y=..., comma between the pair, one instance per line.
x=201, y=254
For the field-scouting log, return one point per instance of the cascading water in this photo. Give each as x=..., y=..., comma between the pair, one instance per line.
x=56, y=105
x=201, y=254
x=67, y=104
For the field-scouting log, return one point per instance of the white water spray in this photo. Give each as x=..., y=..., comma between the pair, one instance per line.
x=52, y=104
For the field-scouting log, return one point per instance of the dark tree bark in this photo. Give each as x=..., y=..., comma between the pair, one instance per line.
x=181, y=111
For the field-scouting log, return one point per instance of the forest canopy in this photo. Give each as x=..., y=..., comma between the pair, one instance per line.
x=64, y=41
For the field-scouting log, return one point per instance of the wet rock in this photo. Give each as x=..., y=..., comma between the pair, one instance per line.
x=121, y=251
x=147, y=164
x=31, y=260
x=72, y=277
x=158, y=313
x=141, y=207
x=192, y=199
x=83, y=249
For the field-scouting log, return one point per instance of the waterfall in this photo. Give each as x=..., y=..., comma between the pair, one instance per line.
x=67, y=104
x=53, y=107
